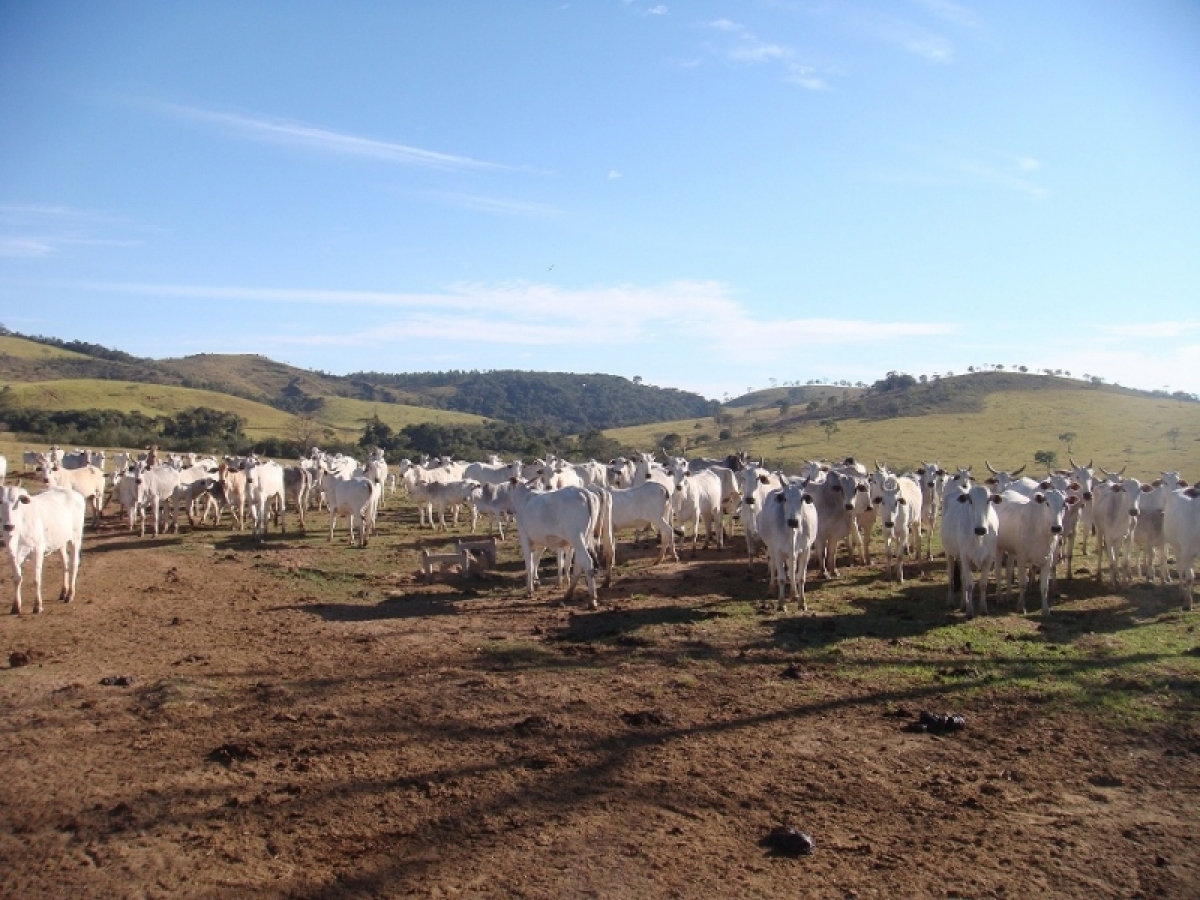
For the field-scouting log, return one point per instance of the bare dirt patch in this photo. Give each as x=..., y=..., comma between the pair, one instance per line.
x=307, y=720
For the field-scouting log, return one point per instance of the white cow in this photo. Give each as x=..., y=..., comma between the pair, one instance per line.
x=87, y=481
x=3, y=469
x=1181, y=527
x=34, y=526
x=1115, y=508
x=647, y=505
x=1030, y=530
x=756, y=483
x=569, y=519
x=494, y=500
x=698, y=498
x=788, y=525
x=129, y=490
x=902, y=520
x=835, y=498
x=970, y=530
x=355, y=496
x=933, y=481
x=265, y=492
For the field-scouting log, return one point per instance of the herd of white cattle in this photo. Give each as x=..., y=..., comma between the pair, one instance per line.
x=1007, y=524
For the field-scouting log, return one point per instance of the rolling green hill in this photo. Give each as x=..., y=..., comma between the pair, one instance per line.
x=1111, y=425
x=344, y=416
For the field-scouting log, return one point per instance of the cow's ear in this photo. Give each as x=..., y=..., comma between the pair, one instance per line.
x=1157, y=482
x=940, y=472
x=1118, y=489
x=903, y=502
x=963, y=498
x=861, y=489
x=764, y=479
x=1147, y=488
x=779, y=498
x=807, y=498
x=1071, y=501
x=996, y=498
x=1040, y=498
x=990, y=481
x=877, y=501
x=921, y=471
x=512, y=480
x=1045, y=485
x=1193, y=493
x=24, y=498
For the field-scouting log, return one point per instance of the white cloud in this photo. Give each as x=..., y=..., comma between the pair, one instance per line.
x=1162, y=329
x=18, y=247
x=906, y=36
x=613, y=175
x=34, y=231
x=704, y=313
x=954, y=13
x=497, y=205
x=323, y=140
x=749, y=49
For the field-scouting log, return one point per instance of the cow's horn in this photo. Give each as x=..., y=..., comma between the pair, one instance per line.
x=989, y=467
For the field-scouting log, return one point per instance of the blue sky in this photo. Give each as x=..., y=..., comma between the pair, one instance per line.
x=708, y=195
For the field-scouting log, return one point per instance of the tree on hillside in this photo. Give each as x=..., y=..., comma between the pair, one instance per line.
x=831, y=428
x=1068, y=438
x=1173, y=437
x=1047, y=458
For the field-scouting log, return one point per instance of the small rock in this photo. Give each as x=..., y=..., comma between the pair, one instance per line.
x=790, y=841
x=117, y=680
x=793, y=671
x=18, y=658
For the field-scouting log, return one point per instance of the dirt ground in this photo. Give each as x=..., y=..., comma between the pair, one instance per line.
x=308, y=720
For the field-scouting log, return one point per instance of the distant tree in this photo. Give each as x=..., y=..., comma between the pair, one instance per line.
x=1173, y=436
x=923, y=379
x=970, y=368
x=831, y=400
x=1023, y=368
x=725, y=434
x=637, y=379
x=774, y=382
x=1068, y=438
x=673, y=443
x=1047, y=458
x=831, y=428
x=785, y=407
x=813, y=405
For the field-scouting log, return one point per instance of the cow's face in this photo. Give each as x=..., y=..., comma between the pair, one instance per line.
x=12, y=510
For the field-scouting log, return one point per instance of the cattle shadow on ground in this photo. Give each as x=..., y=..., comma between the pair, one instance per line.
x=139, y=543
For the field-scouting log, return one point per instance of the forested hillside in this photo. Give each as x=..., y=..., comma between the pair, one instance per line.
x=564, y=401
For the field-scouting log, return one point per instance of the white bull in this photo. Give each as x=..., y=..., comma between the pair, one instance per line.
x=788, y=525
x=34, y=526
x=970, y=530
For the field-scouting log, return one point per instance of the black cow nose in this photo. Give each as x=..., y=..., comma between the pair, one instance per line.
x=1133, y=512
x=888, y=524
x=749, y=501
x=793, y=523
x=1056, y=529
x=981, y=531
x=10, y=528
x=850, y=506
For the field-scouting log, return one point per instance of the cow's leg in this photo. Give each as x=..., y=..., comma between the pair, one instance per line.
x=39, y=557
x=19, y=579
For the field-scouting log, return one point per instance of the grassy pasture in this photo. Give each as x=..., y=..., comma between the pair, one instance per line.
x=349, y=416
x=150, y=399
x=344, y=415
x=1011, y=428
x=23, y=349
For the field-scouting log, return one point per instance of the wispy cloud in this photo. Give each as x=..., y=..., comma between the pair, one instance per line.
x=954, y=13
x=36, y=231
x=549, y=315
x=1175, y=328
x=613, y=175
x=501, y=206
x=747, y=48
x=323, y=140
x=959, y=164
x=904, y=35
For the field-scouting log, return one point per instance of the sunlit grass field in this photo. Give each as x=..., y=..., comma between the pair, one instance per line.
x=1110, y=428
